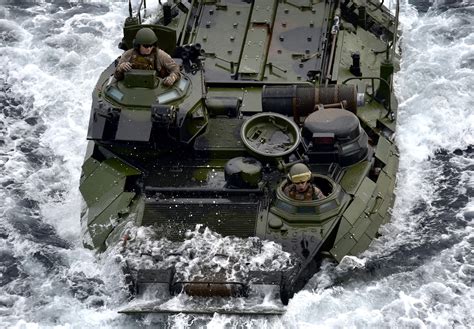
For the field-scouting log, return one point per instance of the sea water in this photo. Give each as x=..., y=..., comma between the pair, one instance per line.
x=418, y=274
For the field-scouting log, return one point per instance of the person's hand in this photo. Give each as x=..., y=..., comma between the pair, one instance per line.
x=168, y=81
x=125, y=66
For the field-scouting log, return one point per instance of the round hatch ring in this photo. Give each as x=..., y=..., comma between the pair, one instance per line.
x=270, y=134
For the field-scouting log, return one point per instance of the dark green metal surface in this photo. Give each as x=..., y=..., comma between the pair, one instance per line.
x=154, y=148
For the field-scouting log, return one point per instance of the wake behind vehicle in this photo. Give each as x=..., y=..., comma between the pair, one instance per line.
x=264, y=85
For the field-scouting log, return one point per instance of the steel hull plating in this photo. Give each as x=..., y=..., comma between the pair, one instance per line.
x=264, y=85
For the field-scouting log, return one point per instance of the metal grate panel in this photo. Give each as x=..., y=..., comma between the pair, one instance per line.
x=174, y=218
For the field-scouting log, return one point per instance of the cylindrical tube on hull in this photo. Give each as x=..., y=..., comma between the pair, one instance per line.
x=298, y=100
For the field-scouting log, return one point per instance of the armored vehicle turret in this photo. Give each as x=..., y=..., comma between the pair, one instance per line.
x=264, y=86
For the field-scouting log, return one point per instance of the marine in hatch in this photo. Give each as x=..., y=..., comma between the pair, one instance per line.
x=300, y=186
x=146, y=55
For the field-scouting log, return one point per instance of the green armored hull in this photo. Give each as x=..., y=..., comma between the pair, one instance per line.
x=264, y=84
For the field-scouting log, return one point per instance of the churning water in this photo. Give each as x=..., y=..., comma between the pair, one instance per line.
x=418, y=274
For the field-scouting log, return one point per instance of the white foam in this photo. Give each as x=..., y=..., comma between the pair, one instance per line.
x=436, y=101
x=56, y=76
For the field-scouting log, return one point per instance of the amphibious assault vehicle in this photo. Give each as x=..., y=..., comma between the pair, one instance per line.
x=265, y=84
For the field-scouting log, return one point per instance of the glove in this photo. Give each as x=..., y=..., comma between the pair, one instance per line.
x=125, y=67
x=168, y=81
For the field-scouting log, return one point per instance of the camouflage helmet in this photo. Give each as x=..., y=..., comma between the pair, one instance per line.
x=145, y=36
x=299, y=173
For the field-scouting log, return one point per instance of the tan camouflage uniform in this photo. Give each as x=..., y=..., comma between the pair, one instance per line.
x=158, y=59
x=311, y=193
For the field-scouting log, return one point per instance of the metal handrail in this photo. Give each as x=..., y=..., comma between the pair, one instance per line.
x=395, y=35
x=377, y=6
